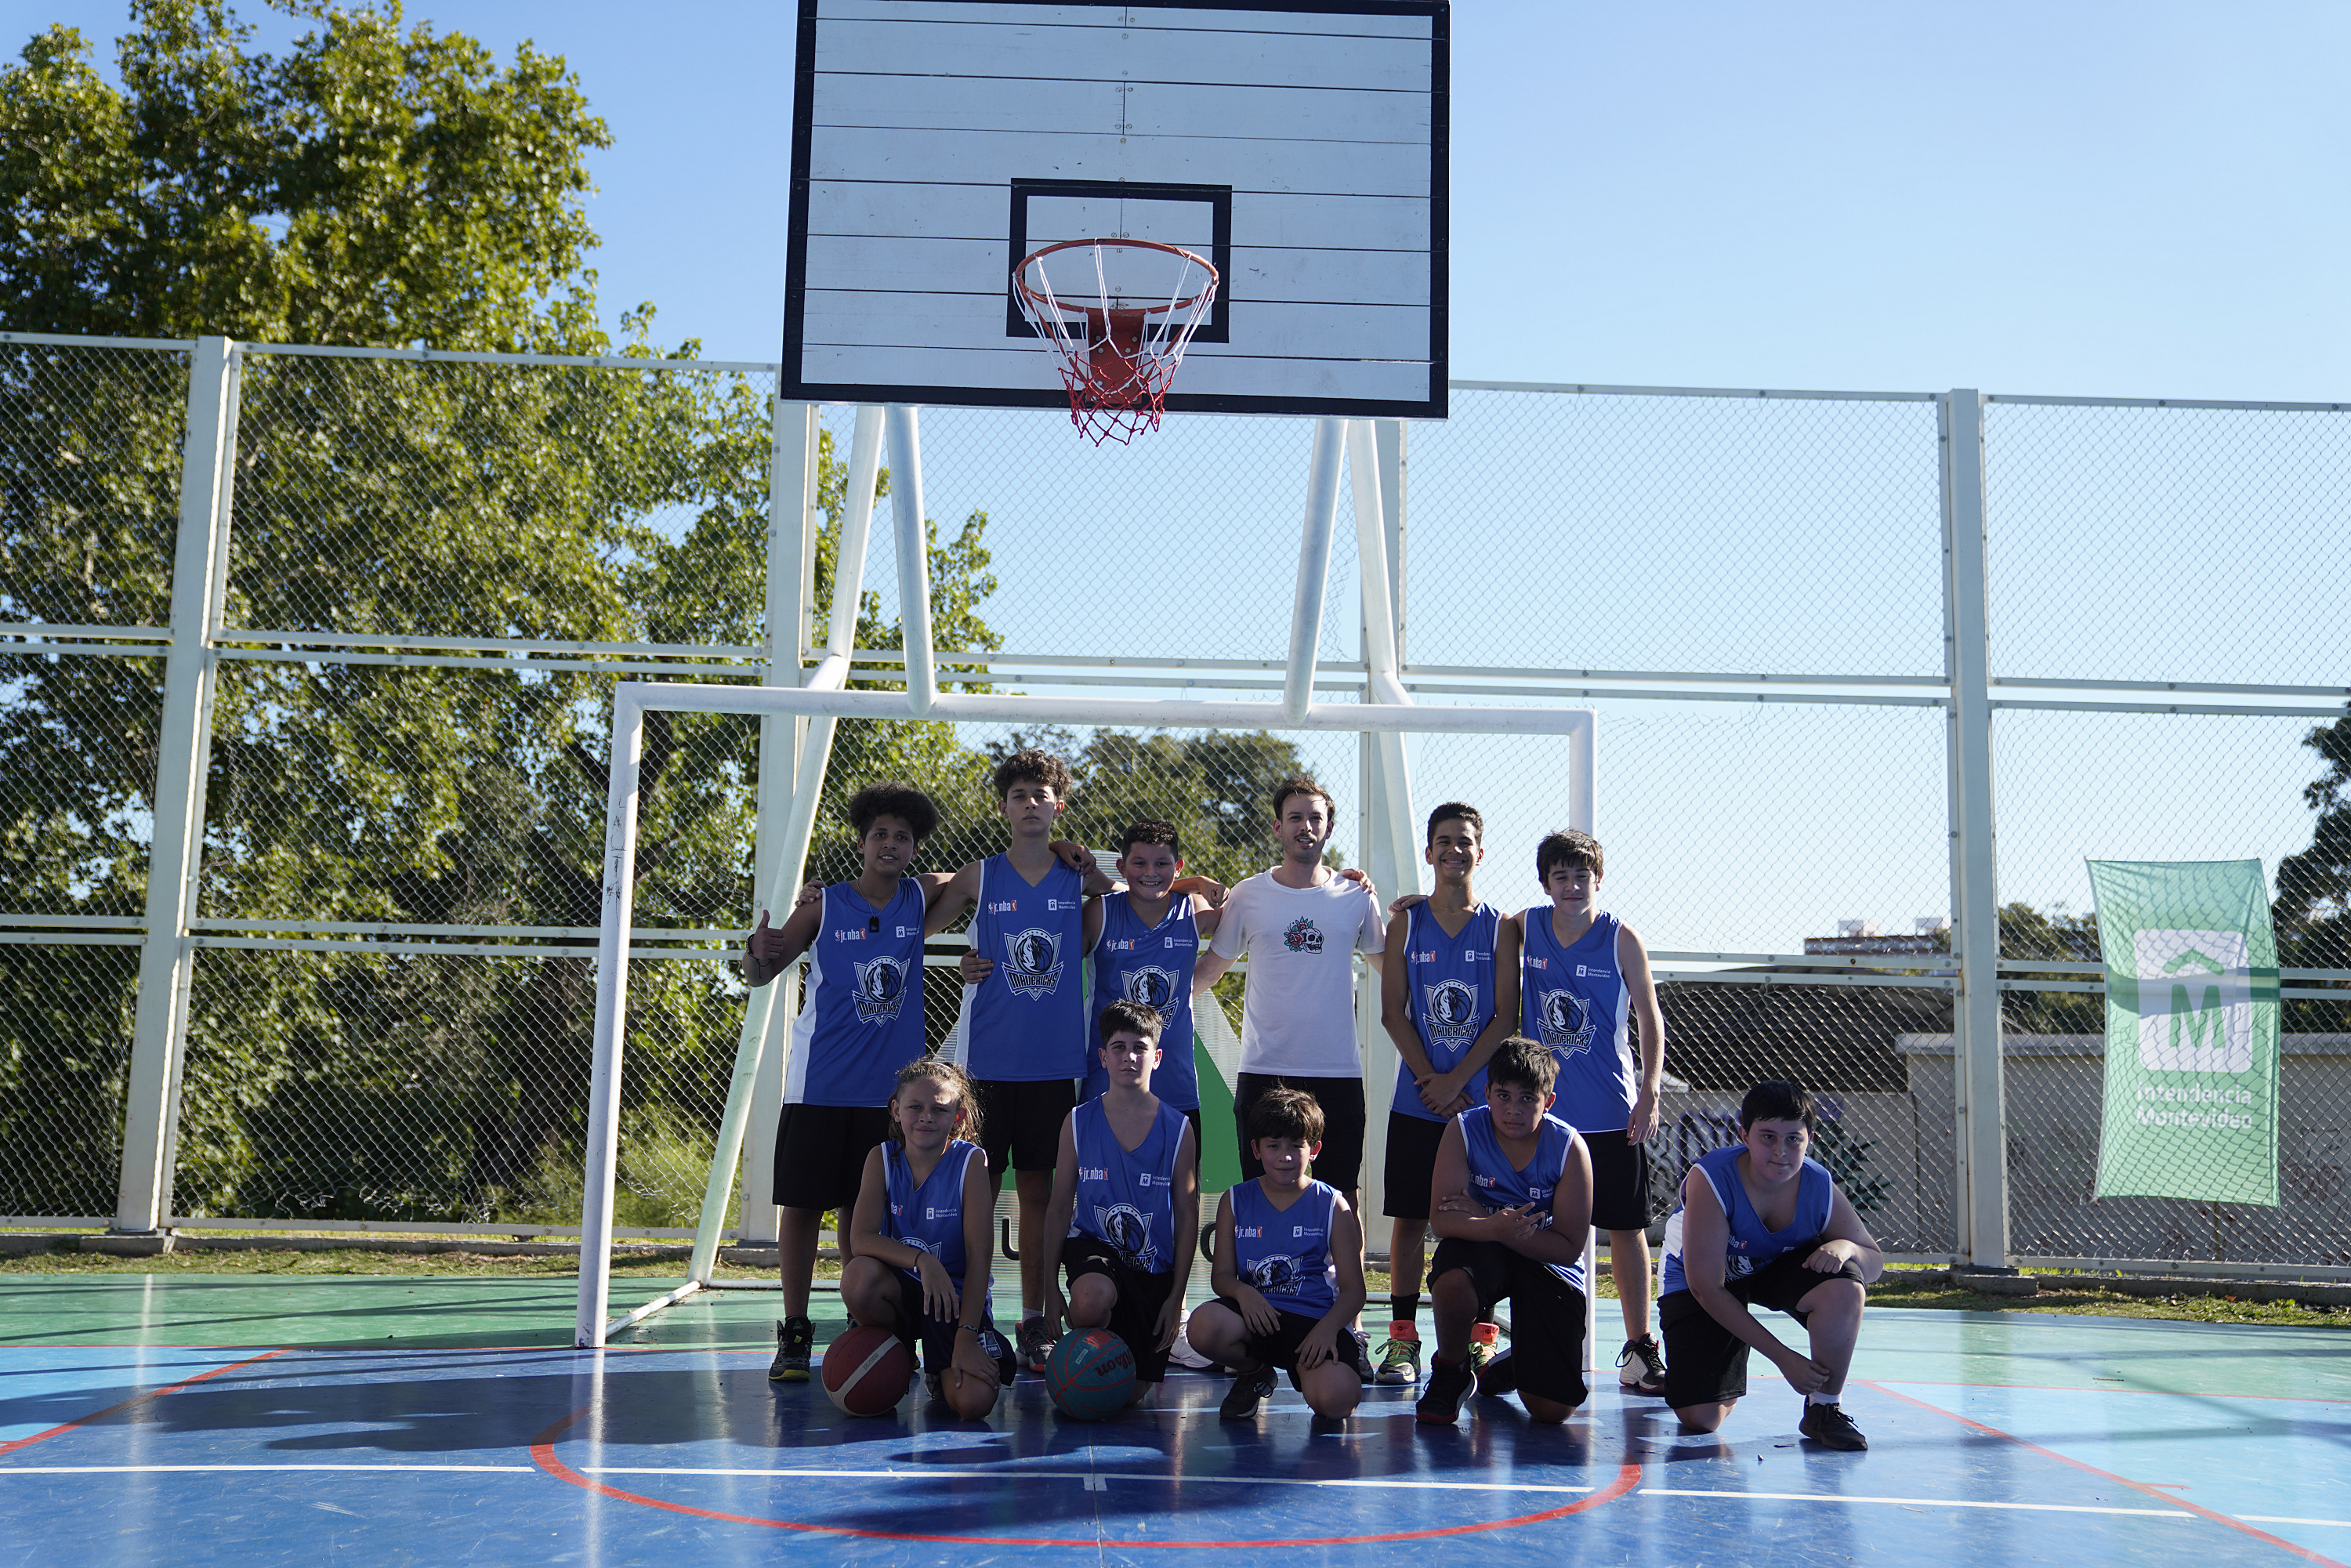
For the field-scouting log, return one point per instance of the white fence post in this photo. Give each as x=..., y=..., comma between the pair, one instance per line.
x=1982, y=1140
x=158, y=1042
x=1390, y=847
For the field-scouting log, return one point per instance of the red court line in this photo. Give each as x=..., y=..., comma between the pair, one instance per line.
x=2262, y=1535
x=542, y=1453
x=136, y=1399
x=2166, y=1393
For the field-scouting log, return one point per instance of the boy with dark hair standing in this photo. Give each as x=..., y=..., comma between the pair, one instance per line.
x=1449, y=998
x=1586, y=981
x=1763, y=1224
x=863, y=1020
x=1023, y=1031
x=1128, y=1171
x=1150, y=943
x=1288, y=1273
x=1300, y=923
x=1512, y=1201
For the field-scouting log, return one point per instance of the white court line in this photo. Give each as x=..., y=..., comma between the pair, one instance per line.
x=1921, y=1502
x=215, y=1470
x=2281, y=1519
x=965, y=1472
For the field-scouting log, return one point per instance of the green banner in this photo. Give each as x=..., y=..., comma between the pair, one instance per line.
x=2191, y=1031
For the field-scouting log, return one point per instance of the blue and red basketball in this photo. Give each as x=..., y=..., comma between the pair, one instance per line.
x=866, y=1372
x=1090, y=1374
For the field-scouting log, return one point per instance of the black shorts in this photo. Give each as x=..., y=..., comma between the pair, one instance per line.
x=1411, y=1167
x=1020, y=1121
x=937, y=1336
x=1620, y=1182
x=1341, y=1164
x=1135, y=1316
x=1546, y=1314
x=1706, y=1364
x=1280, y=1348
x=820, y=1154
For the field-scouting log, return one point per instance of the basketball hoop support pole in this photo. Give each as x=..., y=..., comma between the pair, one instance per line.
x=1313, y=569
x=914, y=560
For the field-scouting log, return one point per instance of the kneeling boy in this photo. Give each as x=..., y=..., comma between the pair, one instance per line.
x=1126, y=1194
x=1762, y=1224
x=1511, y=1200
x=1289, y=1272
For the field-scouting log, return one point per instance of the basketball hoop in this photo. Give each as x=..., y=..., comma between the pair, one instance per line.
x=1115, y=353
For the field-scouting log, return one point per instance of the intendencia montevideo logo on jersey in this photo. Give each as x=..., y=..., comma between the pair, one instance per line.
x=1303, y=935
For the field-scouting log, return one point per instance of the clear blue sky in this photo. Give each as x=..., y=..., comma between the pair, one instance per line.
x=2101, y=198
x=2135, y=200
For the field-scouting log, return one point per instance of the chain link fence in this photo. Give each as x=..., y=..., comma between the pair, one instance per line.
x=435, y=571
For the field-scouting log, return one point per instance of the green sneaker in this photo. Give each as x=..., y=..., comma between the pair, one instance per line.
x=1485, y=1345
x=795, y=1338
x=1399, y=1357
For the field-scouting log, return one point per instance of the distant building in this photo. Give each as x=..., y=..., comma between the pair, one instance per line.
x=1933, y=935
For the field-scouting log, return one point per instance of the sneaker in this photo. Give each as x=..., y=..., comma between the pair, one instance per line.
x=1399, y=1357
x=1036, y=1344
x=1249, y=1392
x=1498, y=1377
x=1831, y=1428
x=1451, y=1385
x=1485, y=1343
x=1642, y=1366
x=1182, y=1353
x=795, y=1338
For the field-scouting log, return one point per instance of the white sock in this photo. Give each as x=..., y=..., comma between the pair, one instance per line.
x=1820, y=1398
x=1031, y=1313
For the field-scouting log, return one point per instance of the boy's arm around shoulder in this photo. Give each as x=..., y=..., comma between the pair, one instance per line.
x=1230, y=942
x=951, y=896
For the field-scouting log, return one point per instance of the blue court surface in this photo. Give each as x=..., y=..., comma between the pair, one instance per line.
x=373, y=1421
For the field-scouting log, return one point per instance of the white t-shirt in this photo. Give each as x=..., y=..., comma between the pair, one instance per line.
x=1298, y=1012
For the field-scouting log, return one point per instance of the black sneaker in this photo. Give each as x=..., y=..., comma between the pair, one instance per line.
x=1036, y=1344
x=794, y=1337
x=1642, y=1366
x=1499, y=1376
x=1250, y=1390
x=1451, y=1385
x=1831, y=1428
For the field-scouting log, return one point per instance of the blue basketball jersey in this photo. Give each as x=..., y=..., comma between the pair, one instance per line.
x=1495, y=1182
x=1128, y=1200
x=930, y=1216
x=1753, y=1245
x=864, y=1018
x=1284, y=1254
x=1027, y=1021
x=1452, y=999
x=1574, y=1000
x=1152, y=965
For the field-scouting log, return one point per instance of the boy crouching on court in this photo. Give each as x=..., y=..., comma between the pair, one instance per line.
x=1126, y=1194
x=1763, y=1224
x=1511, y=1201
x=1288, y=1273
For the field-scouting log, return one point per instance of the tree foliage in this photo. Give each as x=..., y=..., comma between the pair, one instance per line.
x=2313, y=908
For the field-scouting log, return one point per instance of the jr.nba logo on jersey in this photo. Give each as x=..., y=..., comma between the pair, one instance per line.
x=1154, y=986
x=1033, y=962
x=1451, y=1009
x=1566, y=1023
x=1128, y=1232
x=881, y=989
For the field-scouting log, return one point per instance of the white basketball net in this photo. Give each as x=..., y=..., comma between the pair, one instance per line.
x=1117, y=349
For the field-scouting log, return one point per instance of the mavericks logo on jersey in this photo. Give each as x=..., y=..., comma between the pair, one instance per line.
x=1128, y=1231
x=1450, y=1008
x=1281, y=1274
x=1153, y=987
x=881, y=989
x=1566, y=1021
x=1033, y=962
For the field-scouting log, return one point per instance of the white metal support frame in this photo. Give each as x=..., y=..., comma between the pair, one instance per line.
x=151, y=1111
x=1982, y=1139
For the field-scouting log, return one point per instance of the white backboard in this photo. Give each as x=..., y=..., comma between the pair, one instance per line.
x=1300, y=148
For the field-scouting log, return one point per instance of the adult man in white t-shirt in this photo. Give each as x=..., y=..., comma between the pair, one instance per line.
x=1300, y=923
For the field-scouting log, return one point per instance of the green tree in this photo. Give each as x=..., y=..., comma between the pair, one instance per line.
x=378, y=185
x=2313, y=909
